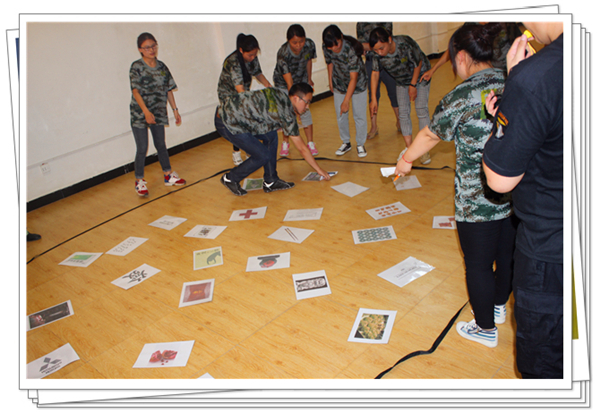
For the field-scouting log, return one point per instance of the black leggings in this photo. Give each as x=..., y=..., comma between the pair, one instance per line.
x=483, y=244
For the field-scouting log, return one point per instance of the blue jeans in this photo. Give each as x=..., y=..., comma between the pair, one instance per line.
x=262, y=149
x=141, y=142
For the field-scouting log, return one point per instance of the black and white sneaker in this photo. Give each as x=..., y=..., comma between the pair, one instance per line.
x=362, y=152
x=277, y=185
x=344, y=148
x=234, y=187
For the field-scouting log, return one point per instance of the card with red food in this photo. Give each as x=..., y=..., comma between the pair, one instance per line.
x=164, y=355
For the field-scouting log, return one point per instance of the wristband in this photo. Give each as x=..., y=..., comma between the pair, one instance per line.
x=413, y=85
x=405, y=159
x=175, y=109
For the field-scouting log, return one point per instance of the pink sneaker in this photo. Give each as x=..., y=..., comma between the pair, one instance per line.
x=173, y=179
x=285, y=149
x=141, y=188
x=312, y=148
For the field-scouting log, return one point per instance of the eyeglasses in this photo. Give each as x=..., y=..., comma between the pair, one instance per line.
x=148, y=48
x=307, y=103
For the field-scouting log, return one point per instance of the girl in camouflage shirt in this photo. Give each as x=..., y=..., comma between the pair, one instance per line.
x=484, y=219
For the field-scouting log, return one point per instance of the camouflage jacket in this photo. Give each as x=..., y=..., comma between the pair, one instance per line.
x=461, y=116
x=288, y=62
x=344, y=62
x=363, y=30
x=153, y=83
x=402, y=62
x=231, y=75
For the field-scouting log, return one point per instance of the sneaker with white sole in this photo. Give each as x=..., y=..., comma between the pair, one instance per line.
x=312, y=148
x=402, y=153
x=234, y=187
x=141, y=188
x=173, y=179
x=473, y=332
x=499, y=314
x=237, y=158
x=285, y=149
x=425, y=159
x=344, y=148
x=277, y=185
x=362, y=152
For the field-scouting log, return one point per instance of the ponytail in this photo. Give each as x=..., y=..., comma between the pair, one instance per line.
x=246, y=44
x=332, y=34
x=475, y=39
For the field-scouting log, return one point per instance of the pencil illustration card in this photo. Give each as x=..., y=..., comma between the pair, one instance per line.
x=135, y=277
x=268, y=262
x=248, y=214
x=349, y=189
x=291, y=234
x=165, y=355
x=80, y=259
x=194, y=293
x=126, y=246
x=253, y=184
x=372, y=326
x=52, y=314
x=377, y=234
x=205, y=232
x=315, y=177
x=407, y=182
x=208, y=258
x=444, y=222
x=303, y=214
x=406, y=271
x=168, y=222
x=388, y=210
x=311, y=284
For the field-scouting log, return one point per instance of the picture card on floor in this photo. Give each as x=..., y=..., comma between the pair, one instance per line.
x=311, y=284
x=52, y=314
x=268, y=262
x=253, y=184
x=81, y=259
x=126, y=246
x=52, y=362
x=407, y=182
x=208, y=258
x=165, y=355
x=248, y=214
x=168, y=222
x=372, y=326
x=303, y=214
x=373, y=235
x=388, y=210
x=388, y=171
x=315, y=177
x=197, y=292
x=406, y=271
x=205, y=232
x=444, y=222
x=135, y=277
x=291, y=234
x=350, y=189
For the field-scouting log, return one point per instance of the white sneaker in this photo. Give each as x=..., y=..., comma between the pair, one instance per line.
x=237, y=158
x=361, y=151
x=473, y=332
x=141, y=188
x=312, y=148
x=344, y=148
x=499, y=314
x=401, y=153
x=425, y=159
x=285, y=149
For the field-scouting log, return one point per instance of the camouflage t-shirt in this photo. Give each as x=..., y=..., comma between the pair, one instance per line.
x=259, y=112
x=231, y=75
x=153, y=83
x=288, y=62
x=363, y=30
x=345, y=62
x=402, y=62
x=461, y=116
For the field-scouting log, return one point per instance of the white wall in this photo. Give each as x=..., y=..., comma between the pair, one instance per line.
x=78, y=93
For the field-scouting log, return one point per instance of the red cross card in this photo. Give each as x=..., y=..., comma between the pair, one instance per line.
x=248, y=214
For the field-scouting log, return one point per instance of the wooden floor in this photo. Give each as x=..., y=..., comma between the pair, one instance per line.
x=254, y=327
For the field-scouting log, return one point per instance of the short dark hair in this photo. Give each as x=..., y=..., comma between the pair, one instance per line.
x=295, y=30
x=378, y=34
x=300, y=89
x=332, y=34
x=246, y=42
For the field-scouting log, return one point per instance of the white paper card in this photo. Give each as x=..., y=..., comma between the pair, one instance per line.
x=205, y=232
x=193, y=293
x=164, y=355
x=248, y=214
x=291, y=234
x=168, y=222
x=444, y=222
x=253, y=184
x=311, y=284
x=373, y=235
x=135, y=277
x=406, y=271
x=350, y=189
x=388, y=171
x=51, y=362
x=372, y=326
x=208, y=258
x=268, y=262
x=81, y=259
x=126, y=246
x=49, y=315
x=388, y=210
x=206, y=376
x=315, y=177
x=407, y=182
x=303, y=214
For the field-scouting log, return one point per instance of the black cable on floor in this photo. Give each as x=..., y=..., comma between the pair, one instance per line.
x=432, y=349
